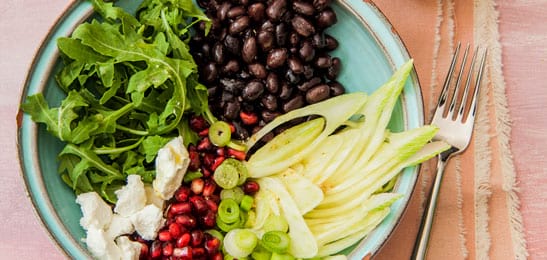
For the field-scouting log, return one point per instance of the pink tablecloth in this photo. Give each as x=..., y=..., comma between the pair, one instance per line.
x=479, y=216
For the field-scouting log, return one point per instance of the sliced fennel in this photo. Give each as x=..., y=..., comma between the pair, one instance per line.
x=324, y=176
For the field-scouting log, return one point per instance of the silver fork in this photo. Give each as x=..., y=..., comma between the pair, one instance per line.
x=455, y=128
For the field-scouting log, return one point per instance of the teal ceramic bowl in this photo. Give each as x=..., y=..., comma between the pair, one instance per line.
x=369, y=48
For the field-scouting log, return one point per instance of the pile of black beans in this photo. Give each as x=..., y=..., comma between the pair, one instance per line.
x=263, y=58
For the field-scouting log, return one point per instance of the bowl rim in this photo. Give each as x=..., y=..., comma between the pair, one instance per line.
x=64, y=15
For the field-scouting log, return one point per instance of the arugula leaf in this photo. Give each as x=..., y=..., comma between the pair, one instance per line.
x=129, y=81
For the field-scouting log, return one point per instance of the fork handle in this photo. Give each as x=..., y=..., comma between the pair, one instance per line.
x=420, y=248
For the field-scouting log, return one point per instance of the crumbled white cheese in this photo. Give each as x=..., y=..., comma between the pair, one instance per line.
x=171, y=164
x=131, y=250
x=119, y=225
x=95, y=211
x=100, y=245
x=131, y=197
x=148, y=221
x=152, y=197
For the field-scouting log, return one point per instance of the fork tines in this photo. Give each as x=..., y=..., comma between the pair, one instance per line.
x=458, y=97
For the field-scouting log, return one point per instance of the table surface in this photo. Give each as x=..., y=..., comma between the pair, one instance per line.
x=523, y=38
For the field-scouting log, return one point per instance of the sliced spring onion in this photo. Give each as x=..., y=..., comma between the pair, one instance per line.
x=240, y=242
x=215, y=233
x=226, y=227
x=275, y=241
x=220, y=133
x=228, y=211
x=234, y=193
x=261, y=255
x=246, y=203
x=276, y=256
x=230, y=173
x=275, y=223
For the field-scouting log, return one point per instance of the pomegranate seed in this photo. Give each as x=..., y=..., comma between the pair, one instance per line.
x=208, y=159
x=183, y=253
x=221, y=151
x=167, y=249
x=209, y=219
x=213, y=206
x=186, y=221
x=155, y=249
x=195, y=162
x=204, y=145
x=197, y=237
x=197, y=185
x=248, y=118
x=180, y=208
x=214, y=198
x=198, y=252
x=182, y=194
x=175, y=230
x=204, y=132
x=198, y=202
x=164, y=236
x=251, y=187
x=212, y=245
x=217, y=162
x=198, y=123
x=240, y=155
x=184, y=240
x=217, y=256
x=144, y=249
x=209, y=188
x=206, y=172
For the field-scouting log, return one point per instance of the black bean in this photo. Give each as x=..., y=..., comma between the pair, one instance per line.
x=210, y=72
x=249, y=51
x=232, y=85
x=321, y=4
x=268, y=116
x=244, y=75
x=206, y=50
x=232, y=44
x=227, y=96
x=309, y=84
x=272, y=82
x=302, y=26
x=235, y=12
x=252, y=90
x=326, y=18
x=323, y=61
x=317, y=93
x=223, y=11
x=292, y=77
x=281, y=34
x=267, y=26
x=218, y=53
x=336, y=88
x=276, y=58
x=294, y=103
x=256, y=11
x=286, y=91
x=307, y=52
x=276, y=9
x=318, y=41
x=240, y=132
x=269, y=102
x=296, y=65
x=265, y=39
x=231, y=67
x=239, y=25
x=308, y=71
x=330, y=43
x=304, y=8
x=244, y=2
x=334, y=69
x=258, y=70
x=294, y=39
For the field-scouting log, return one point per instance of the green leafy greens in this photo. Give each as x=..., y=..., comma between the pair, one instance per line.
x=128, y=82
